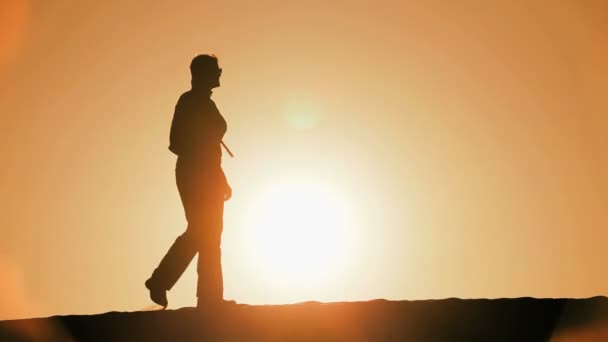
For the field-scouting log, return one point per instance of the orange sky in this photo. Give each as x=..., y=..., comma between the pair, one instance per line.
x=470, y=141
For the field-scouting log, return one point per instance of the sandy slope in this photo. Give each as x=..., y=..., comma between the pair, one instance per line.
x=521, y=319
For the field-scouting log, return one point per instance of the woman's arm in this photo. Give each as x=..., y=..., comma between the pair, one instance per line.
x=180, y=136
x=227, y=188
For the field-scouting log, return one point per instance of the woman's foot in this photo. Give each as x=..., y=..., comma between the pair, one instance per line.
x=157, y=294
x=212, y=304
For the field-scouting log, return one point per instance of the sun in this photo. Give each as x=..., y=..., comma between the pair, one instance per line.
x=299, y=236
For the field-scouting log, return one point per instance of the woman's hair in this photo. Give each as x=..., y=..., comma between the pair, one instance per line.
x=202, y=65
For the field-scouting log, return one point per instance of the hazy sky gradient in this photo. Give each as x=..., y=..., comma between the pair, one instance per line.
x=470, y=137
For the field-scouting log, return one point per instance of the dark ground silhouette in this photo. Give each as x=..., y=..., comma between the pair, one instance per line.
x=447, y=320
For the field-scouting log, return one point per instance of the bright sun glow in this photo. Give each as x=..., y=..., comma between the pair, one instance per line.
x=299, y=236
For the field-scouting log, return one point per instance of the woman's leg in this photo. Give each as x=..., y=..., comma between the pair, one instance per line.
x=210, y=289
x=185, y=247
x=175, y=262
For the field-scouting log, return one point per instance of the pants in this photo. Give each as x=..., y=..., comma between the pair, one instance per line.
x=202, y=194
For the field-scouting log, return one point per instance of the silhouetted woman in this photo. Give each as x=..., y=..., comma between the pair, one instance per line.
x=196, y=134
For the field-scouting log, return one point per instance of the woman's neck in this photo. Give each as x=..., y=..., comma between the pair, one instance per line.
x=201, y=89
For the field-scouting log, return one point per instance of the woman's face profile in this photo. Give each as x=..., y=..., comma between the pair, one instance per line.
x=217, y=73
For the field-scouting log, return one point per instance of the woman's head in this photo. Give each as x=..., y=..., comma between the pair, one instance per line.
x=205, y=72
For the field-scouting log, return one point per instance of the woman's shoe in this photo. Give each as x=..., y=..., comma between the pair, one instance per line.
x=157, y=294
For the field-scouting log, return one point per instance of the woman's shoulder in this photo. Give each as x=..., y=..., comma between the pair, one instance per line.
x=190, y=102
x=185, y=97
x=187, y=101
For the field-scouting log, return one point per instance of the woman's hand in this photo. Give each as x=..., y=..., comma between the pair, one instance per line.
x=227, y=192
